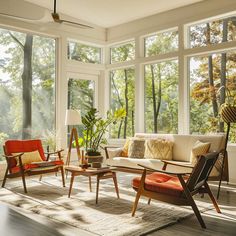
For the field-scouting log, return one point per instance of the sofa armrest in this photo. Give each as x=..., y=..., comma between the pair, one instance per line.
x=176, y=163
x=164, y=172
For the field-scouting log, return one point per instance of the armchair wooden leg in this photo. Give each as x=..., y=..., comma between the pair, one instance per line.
x=149, y=201
x=136, y=202
x=212, y=197
x=62, y=176
x=23, y=180
x=40, y=177
x=5, y=178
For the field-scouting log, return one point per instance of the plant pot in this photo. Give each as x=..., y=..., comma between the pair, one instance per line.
x=92, y=159
x=228, y=113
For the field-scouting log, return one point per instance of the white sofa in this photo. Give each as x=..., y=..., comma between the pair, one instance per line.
x=181, y=153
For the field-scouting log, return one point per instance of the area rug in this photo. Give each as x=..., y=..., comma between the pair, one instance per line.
x=111, y=216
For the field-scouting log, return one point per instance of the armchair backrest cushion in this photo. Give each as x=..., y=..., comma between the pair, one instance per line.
x=19, y=146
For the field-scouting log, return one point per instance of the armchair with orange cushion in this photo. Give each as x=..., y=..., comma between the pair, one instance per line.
x=177, y=188
x=27, y=157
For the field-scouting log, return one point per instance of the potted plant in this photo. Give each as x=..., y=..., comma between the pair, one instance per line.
x=95, y=127
x=228, y=109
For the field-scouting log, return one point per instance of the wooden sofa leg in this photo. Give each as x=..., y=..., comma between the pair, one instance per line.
x=40, y=177
x=149, y=201
x=63, y=176
x=5, y=178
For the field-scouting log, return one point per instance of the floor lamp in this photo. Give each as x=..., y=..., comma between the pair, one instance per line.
x=228, y=115
x=73, y=118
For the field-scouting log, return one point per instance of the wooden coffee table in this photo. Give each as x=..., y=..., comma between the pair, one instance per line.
x=102, y=173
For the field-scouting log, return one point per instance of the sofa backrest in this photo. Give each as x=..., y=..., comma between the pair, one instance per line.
x=183, y=143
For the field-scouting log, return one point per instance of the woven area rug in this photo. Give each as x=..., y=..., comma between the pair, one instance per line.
x=111, y=216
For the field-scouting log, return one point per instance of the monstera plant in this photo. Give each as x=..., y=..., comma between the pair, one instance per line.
x=95, y=128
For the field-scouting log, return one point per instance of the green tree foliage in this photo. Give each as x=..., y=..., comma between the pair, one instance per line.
x=27, y=81
x=208, y=74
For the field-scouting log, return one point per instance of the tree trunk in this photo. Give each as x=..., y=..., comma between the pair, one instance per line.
x=159, y=92
x=154, y=102
x=27, y=88
x=211, y=77
x=126, y=103
x=223, y=71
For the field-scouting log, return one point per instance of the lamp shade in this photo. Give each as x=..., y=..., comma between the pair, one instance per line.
x=73, y=117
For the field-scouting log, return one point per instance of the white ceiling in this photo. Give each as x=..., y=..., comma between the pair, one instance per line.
x=108, y=13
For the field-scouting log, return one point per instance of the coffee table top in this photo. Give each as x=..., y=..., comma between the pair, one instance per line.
x=89, y=171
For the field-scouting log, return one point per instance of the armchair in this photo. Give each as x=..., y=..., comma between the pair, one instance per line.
x=19, y=165
x=177, y=188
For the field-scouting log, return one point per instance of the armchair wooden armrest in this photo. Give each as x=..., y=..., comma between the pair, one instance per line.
x=176, y=163
x=163, y=171
x=51, y=153
x=19, y=156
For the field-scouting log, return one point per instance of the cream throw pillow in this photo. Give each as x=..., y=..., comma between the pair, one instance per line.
x=28, y=157
x=158, y=149
x=199, y=148
x=114, y=152
x=136, y=148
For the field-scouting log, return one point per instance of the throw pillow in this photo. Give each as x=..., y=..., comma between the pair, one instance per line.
x=28, y=157
x=136, y=148
x=124, y=152
x=114, y=152
x=199, y=148
x=158, y=149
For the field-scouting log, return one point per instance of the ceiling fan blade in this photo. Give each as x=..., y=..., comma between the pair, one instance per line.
x=57, y=19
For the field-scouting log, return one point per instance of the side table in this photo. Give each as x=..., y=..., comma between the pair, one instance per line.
x=101, y=173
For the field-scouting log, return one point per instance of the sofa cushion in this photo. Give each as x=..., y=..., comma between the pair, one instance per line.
x=158, y=149
x=161, y=183
x=199, y=148
x=124, y=152
x=28, y=157
x=114, y=152
x=136, y=148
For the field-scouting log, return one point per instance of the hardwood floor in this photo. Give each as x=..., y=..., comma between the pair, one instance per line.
x=217, y=224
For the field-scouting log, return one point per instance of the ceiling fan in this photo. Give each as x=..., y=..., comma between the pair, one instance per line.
x=57, y=19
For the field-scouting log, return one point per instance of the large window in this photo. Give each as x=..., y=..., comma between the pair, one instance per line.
x=209, y=76
x=84, y=53
x=27, y=85
x=161, y=97
x=122, y=96
x=161, y=43
x=124, y=52
x=212, y=32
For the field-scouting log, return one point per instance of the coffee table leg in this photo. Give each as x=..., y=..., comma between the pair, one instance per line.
x=98, y=179
x=90, y=184
x=71, y=183
x=115, y=183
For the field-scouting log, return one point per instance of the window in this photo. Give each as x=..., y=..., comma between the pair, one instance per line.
x=161, y=43
x=161, y=97
x=125, y=52
x=81, y=96
x=27, y=85
x=213, y=32
x=122, y=96
x=84, y=53
x=207, y=75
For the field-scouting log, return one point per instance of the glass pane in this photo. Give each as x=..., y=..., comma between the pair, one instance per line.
x=161, y=43
x=161, y=97
x=213, y=32
x=124, y=52
x=207, y=76
x=80, y=97
x=122, y=96
x=27, y=86
x=84, y=53
x=81, y=94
